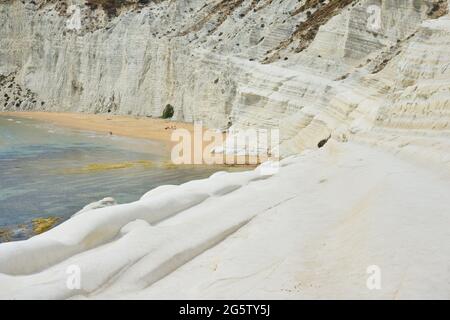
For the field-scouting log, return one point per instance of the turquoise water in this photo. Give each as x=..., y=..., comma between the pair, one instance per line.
x=43, y=171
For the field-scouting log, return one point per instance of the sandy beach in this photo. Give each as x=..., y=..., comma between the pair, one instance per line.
x=128, y=126
x=156, y=129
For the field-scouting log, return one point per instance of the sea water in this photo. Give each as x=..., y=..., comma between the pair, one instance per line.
x=49, y=171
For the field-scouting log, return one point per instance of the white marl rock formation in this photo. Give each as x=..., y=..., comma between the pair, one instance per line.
x=310, y=68
x=374, y=74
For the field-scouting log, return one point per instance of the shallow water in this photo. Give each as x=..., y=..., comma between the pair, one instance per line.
x=48, y=171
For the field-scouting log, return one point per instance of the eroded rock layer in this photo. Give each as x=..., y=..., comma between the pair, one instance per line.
x=366, y=72
x=309, y=68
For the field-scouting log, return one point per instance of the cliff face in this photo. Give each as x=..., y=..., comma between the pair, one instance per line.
x=354, y=69
x=376, y=72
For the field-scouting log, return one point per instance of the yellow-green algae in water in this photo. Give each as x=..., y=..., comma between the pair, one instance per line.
x=99, y=167
x=41, y=225
x=5, y=235
x=37, y=226
x=146, y=164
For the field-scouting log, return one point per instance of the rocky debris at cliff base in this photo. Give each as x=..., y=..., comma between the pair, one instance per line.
x=14, y=97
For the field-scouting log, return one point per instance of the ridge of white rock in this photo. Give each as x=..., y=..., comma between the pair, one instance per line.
x=310, y=230
x=106, y=202
x=375, y=195
x=94, y=227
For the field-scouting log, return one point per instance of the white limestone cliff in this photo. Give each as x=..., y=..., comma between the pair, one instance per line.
x=372, y=75
x=224, y=62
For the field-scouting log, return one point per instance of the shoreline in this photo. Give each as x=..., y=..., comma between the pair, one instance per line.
x=120, y=125
x=309, y=213
x=137, y=127
x=144, y=129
